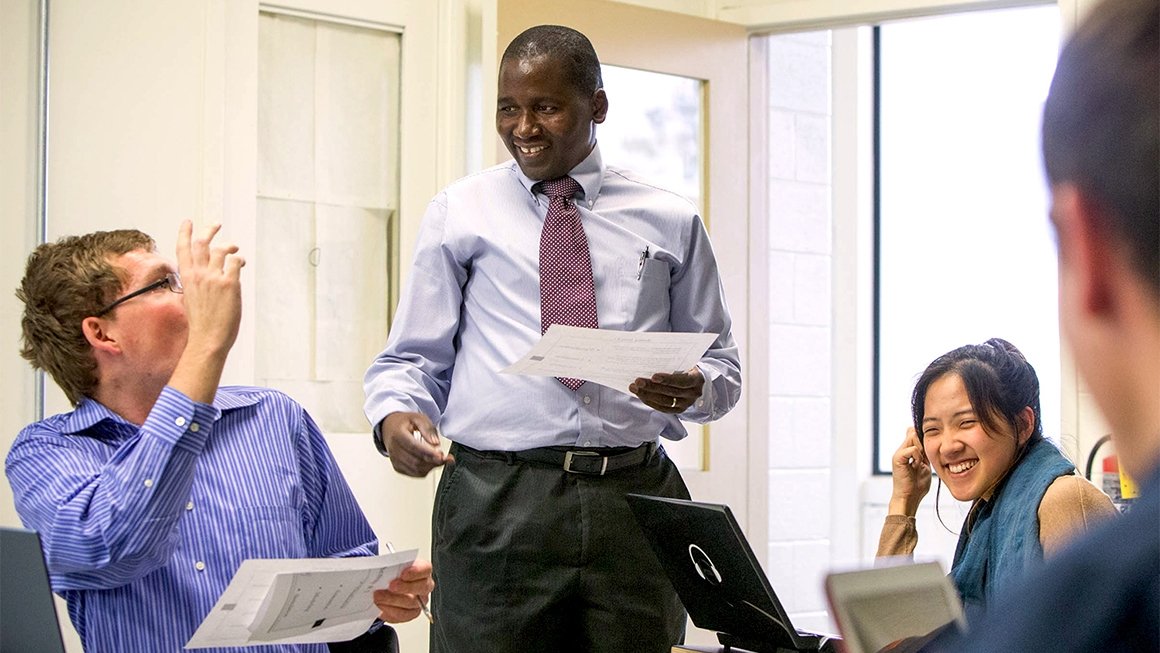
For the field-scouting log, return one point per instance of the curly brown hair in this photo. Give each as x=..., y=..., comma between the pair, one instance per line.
x=65, y=282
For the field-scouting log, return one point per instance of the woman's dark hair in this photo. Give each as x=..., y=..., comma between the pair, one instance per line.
x=999, y=381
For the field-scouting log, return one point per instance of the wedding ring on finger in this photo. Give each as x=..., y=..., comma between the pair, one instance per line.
x=674, y=403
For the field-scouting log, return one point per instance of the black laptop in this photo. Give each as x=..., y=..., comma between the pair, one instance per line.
x=28, y=619
x=717, y=577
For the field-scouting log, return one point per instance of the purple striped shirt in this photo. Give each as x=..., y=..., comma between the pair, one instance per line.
x=143, y=527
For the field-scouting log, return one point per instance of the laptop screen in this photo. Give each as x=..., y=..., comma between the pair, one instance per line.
x=879, y=606
x=712, y=568
x=28, y=619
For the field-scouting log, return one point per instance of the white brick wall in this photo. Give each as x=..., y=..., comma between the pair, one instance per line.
x=800, y=299
x=799, y=431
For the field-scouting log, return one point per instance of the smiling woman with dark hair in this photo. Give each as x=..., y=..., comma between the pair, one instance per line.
x=977, y=425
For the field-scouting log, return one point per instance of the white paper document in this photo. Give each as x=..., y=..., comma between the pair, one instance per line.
x=609, y=357
x=307, y=600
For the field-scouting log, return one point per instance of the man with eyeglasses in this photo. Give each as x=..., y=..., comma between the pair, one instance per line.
x=155, y=488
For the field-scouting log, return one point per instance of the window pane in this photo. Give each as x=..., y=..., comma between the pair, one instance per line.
x=654, y=130
x=966, y=251
x=654, y=127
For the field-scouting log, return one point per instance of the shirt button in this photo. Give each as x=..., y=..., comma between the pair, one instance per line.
x=200, y=566
x=189, y=506
x=180, y=421
x=195, y=427
x=700, y=403
x=148, y=482
x=587, y=399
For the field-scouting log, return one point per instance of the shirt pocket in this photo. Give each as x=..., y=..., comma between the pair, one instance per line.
x=272, y=532
x=642, y=297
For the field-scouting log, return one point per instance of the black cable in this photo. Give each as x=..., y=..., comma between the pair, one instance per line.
x=1092, y=456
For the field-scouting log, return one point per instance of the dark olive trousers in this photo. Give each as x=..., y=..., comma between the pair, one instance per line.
x=529, y=557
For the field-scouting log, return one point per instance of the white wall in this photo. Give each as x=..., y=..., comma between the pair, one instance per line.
x=19, y=71
x=800, y=189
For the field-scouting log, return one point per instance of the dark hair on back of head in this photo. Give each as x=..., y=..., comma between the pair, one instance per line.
x=563, y=44
x=1101, y=125
x=65, y=282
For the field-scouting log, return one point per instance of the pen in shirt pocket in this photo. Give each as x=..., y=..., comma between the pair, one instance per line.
x=640, y=264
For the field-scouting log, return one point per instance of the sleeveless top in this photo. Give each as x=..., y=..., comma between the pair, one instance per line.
x=1004, y=541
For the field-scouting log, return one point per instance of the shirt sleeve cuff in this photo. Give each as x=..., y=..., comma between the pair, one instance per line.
x=180, y=421
x=703, y=406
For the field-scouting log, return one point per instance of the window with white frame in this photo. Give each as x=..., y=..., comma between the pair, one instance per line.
x=964, y=248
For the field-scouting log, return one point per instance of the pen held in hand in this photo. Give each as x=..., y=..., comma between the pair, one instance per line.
x=422, y=602
x=436, y=454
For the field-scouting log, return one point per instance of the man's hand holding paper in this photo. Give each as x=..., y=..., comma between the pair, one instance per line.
x=669, y=392
x=628, y=361
x=403, y=599
x=301, y=600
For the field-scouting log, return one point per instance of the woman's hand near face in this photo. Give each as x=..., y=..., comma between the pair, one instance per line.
x=911, y=474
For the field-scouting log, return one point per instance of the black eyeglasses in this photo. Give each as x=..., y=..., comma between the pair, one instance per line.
x=172, y=281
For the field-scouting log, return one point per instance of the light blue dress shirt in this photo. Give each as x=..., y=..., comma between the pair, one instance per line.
x=143, y=527
x=472, y=307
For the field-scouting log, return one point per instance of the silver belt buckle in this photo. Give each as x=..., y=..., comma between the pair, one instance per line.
x=569, y=455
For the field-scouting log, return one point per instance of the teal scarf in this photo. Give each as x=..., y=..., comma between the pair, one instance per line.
x=1004, y=541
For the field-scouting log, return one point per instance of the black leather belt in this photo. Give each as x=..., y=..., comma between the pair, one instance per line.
x=577, y=461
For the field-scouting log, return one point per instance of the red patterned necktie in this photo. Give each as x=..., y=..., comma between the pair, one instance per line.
x=567, y=291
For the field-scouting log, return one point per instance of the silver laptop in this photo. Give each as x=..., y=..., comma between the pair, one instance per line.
x=901, y=604
x=28, y=620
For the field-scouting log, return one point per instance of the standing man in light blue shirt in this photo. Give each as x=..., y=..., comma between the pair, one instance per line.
x=150, y=494
x=534, y=546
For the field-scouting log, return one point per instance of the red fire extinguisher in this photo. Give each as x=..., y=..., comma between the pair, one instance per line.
x=1115, y=483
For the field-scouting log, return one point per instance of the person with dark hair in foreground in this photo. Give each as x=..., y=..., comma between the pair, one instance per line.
x=534, y=545
x=151, y=493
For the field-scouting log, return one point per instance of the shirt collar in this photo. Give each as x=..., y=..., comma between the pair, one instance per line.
x=88, y=414
x=225, y=400
x=589, y=173
x=1151, y=480
x=91, y=412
